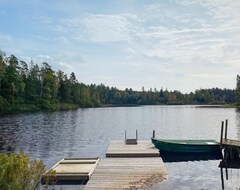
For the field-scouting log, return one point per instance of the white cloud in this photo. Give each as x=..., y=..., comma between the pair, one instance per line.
x=39, y=59
x=152, y=44
x=27, y=59
x=68, y=66
x=102, y=77
x=101, y=27
x=210, y=76
x=45, y=57
x=5, y=37
x=185, y=44
x=45, y=20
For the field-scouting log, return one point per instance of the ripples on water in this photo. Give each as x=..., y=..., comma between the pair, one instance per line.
x=50, y=136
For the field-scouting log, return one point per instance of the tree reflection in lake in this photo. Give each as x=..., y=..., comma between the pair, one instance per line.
x=51, y=136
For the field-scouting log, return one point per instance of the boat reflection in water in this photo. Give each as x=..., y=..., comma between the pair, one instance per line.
x=184, y=157
x=230, y=161
x=229, y=164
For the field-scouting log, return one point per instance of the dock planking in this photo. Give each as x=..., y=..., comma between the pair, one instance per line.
x=224, y=140
x=230, y=142
x=125, y=167
x=127, y=173
x=70, y=169
x=141, y=149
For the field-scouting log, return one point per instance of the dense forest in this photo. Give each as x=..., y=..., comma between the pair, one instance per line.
x=28, y=86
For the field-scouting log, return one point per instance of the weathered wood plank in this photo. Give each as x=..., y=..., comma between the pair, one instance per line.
x=127, y=173
x=230, y=142
x=141, y=149
x=74, y=169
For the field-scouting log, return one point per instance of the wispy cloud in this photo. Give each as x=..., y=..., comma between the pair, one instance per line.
x=5, y=37
x=45, y=20
x=68, y=66
x=46, y=57
x=176, y=44
x=100, y=28
x=39, y=59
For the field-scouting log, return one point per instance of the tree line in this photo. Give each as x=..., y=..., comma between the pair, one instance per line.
x=30, y=86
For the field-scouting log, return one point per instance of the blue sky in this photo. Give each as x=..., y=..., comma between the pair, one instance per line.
x=179, y=45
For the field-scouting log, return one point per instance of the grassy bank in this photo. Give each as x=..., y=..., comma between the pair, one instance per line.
x=21, y=108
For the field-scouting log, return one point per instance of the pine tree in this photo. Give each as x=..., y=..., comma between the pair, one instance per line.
x=238, y=89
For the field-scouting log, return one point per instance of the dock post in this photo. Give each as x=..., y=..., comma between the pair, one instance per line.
x=153, y=134
x=226, y=170
x=222, y=178
x=221, y=137
x=226, y=128
x=125, y=135
x=136, y=135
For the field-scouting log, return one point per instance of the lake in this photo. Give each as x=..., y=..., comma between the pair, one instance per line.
x=50, y=136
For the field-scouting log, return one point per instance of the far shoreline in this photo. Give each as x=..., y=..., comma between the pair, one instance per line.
x=28, y=108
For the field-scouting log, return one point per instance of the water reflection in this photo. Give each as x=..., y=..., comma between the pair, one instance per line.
x=229, y=165
x=238, y=123
x=51, y=136
x=185, y=157
x=40, y=135
x=230, y=161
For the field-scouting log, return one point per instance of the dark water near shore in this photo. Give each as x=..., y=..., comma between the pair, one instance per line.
x=50, y=136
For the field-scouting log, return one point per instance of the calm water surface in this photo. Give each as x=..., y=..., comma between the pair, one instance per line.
x=50, y=136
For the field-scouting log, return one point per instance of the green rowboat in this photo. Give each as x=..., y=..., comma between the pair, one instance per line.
x=187, y=146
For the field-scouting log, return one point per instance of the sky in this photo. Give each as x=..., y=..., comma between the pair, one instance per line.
x=175, y=44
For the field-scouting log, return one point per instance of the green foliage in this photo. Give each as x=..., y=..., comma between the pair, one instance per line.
x=49, y=179
x=3, y=104
x=238, y=89
x=23, y=87
x=18, y=172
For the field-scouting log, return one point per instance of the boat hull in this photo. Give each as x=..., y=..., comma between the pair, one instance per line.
x=187, y=146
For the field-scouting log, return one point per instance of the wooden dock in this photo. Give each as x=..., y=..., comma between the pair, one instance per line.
x=231, y=142
x=73, y=169
x=224, y=140
x=141, y=149
x=128, y=166
x=127, y=173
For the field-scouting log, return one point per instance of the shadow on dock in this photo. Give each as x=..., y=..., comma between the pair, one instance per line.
x=71, y=182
